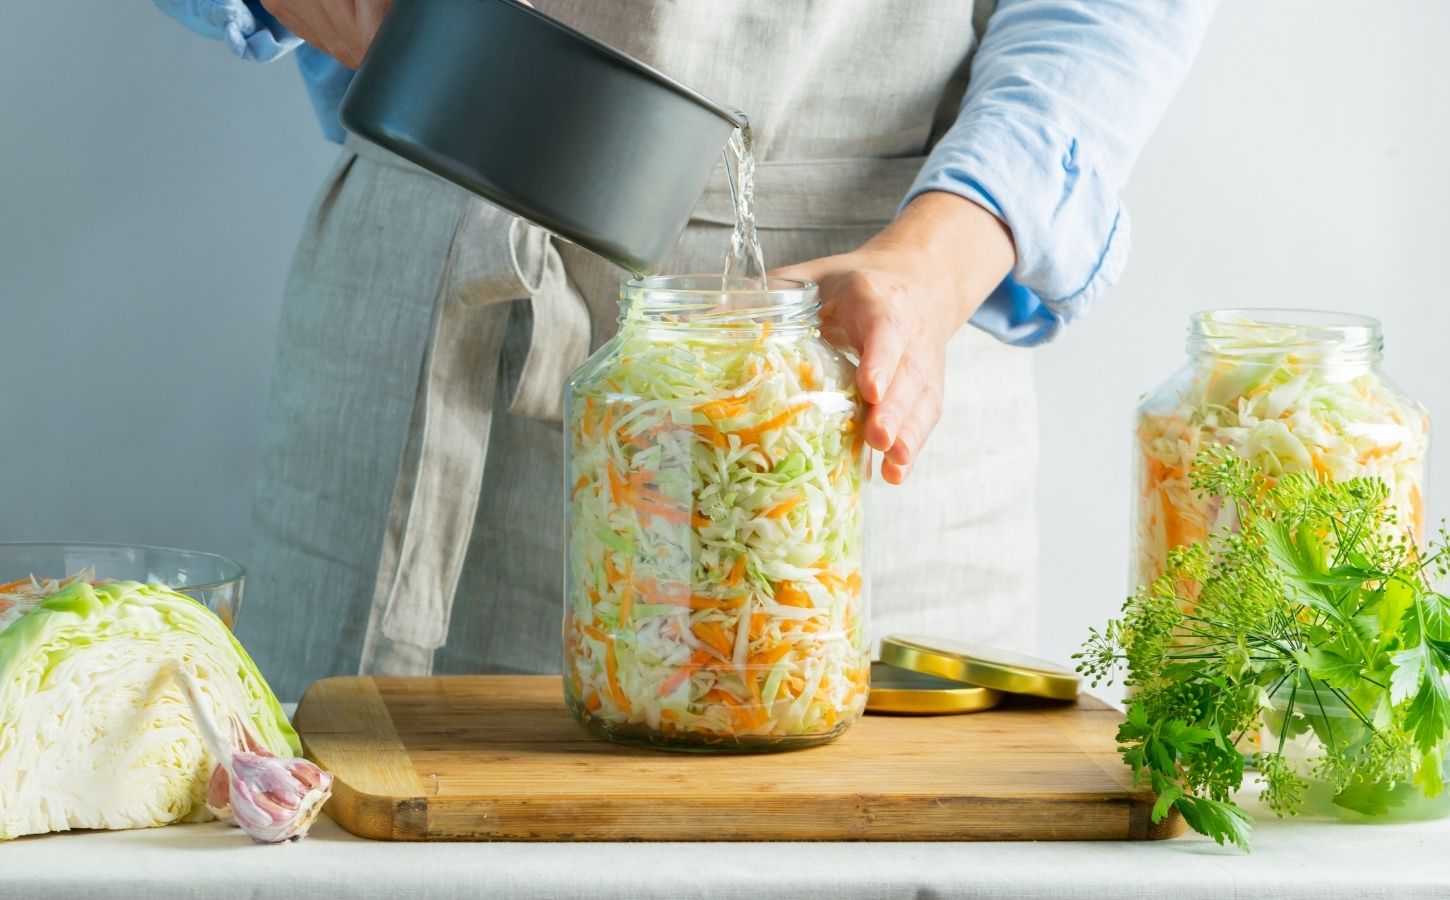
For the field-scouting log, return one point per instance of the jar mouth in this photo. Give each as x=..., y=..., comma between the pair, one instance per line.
x=704, y=300
x=1256, y=332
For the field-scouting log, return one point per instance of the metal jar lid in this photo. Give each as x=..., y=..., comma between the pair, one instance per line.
x=904, y=692
x=975, y=664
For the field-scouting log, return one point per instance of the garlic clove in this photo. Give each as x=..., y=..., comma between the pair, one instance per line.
x=271, y=798
x=275, y=799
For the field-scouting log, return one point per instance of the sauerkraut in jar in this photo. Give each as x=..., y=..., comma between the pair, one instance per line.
x=1290, y=390
x=714, y=593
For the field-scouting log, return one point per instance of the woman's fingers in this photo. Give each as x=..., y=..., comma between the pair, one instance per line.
x=880, y=330
x=901, y=369
x=920, y=421
x=894, y=473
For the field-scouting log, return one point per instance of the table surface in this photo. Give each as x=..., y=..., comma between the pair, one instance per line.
x=1291, y=859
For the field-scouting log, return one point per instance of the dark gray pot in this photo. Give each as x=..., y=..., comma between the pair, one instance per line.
x=547, y=122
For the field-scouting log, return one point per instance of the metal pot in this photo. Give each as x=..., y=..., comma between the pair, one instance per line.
x=547, y=122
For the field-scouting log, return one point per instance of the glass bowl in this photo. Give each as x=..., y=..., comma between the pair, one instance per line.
x=211, y=580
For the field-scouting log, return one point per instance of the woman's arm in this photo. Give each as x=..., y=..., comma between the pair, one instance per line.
x=1063, y=95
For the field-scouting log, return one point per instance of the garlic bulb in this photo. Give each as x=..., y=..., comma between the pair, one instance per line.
x=272, y=798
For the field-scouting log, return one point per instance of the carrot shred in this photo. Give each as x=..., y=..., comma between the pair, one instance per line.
x=699, y=658
x=711, y=634
x=616, y=486
x=737, y=572
x=753, y=435
x=772, y=656
x=757, y=626
x=790, y=595
x=626, y=597
x=781, y=509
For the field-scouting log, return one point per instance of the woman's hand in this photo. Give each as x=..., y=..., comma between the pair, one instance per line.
x=343, y=29
x=897, y=301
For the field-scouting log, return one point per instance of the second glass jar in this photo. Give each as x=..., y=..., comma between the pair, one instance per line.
x=714, y=592
x=1289, y=390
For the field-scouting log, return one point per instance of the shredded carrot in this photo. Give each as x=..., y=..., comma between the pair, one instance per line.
x=727, y=408
x=764, y=335
x=698, y=659
x=713, y=435
x=737, y=572
x=626, y=593
x=579, y=485
x=592, y=702
x=16, y=585
x=781, y=509
x=753, y=435
x=1379, y=451
x=713, y=635
x=773, y=655
x=790, y=595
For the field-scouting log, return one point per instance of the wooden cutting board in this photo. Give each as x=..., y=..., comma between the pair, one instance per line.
x=499, y=758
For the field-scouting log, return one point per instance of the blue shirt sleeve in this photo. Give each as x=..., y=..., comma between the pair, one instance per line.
x=252, y=33
x=244, y=26
x=1063, y=95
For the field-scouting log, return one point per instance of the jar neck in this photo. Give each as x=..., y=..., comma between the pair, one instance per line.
x=700, y=304
x=1302, y=338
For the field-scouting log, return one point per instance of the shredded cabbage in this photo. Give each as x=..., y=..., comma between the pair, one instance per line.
x=1286, y=410
x=714, y=588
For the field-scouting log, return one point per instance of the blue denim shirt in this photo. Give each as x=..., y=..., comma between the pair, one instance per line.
x=1063, y=95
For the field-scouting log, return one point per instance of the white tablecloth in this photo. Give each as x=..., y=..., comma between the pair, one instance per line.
x=1290, y=860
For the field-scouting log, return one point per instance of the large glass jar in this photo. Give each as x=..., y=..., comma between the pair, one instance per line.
x=1290, y=390
x=714, y=595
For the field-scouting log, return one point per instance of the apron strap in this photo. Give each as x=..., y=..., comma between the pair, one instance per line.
x=495, y=260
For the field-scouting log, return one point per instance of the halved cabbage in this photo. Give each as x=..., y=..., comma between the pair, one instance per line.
x=95, y=731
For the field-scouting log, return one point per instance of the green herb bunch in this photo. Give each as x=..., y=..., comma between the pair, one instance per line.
x=1312, y=614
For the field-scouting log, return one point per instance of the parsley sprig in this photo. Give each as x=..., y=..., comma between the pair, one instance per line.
x=1312, y=614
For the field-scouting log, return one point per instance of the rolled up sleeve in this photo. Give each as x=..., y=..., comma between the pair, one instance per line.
x=244, y=26
x=1062, y=98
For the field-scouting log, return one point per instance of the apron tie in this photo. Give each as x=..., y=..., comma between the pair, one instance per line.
x=496, y=259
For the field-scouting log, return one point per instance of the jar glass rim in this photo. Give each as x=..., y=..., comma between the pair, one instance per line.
x=703, y=299
x=1249, y=330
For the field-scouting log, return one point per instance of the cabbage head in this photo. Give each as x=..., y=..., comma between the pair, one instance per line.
x=95, y=732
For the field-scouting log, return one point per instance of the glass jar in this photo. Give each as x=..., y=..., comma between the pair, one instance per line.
x=1320, y=720
x=714, y=594
x=1290, y=390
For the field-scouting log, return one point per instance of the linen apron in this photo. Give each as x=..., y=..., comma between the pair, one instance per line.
x=409, y=509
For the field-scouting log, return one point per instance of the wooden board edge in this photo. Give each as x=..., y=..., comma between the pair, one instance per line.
x=1143, y=827
x=331, y=717
x=848, y=819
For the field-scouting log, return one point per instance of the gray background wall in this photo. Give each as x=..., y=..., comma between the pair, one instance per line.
x=152, y=188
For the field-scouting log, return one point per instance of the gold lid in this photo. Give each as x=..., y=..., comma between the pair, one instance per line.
x=975, y=664
x=903, y=691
